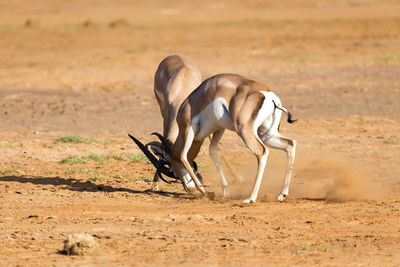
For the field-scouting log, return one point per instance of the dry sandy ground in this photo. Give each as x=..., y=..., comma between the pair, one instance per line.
x=86, y=68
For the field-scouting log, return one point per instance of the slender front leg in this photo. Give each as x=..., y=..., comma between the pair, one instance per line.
x=214, y=155
x=188, y=143
x=154, y=185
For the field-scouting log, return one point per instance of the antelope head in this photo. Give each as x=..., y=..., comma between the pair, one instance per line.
x=163, y=164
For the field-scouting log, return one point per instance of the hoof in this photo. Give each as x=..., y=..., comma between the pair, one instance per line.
x=225, y=192
x=282, y=197
x=202, y=190
x=249, y=200
x=155, y=188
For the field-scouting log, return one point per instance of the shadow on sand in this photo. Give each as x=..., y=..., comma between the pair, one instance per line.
x=82, y=186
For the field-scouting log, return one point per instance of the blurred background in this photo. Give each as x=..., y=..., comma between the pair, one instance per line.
x=319, y=56
x=116, y=45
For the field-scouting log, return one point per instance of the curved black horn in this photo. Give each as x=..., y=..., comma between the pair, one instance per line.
x=145, y=151
x=151, y=157
x=165, y=170
x=162, y=163
x=155, y=148
x=166, y=144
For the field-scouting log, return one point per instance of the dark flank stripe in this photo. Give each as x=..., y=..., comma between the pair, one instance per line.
x=258, y=107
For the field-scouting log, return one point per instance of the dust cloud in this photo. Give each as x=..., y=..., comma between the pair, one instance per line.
x=331, y=178
x=336, y=179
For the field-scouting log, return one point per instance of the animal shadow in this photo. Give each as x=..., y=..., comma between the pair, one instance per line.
x=82, y=186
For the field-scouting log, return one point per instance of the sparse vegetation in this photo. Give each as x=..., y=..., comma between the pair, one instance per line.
x=91, y=156
x=390, y=142
x=376, y=120
x=73, y=160
x=306, y=248
x=142, y=178
x=104, y=142
x=94, y=178
x=78, y=139
x=79, y=171
x=324, y=248
x=98, y=158
x=118, y=157
x=135, y=179
x=13, y=145
x=9, y=171
x=137, y=157
x=388, y=58
x=165, y=247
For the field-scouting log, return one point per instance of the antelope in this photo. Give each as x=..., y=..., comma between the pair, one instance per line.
x=233, y=102
x=176, y=77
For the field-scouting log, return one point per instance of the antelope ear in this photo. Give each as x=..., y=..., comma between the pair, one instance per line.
x=156, y=148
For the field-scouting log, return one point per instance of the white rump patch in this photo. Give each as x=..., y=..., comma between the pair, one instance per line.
x=265, y=115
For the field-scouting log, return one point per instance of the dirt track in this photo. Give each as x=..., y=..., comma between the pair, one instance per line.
x=79, y=68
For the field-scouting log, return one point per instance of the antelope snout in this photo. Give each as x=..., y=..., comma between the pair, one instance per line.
x=190, y=186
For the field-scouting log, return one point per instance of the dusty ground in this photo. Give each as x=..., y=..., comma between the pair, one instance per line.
x=86, y=68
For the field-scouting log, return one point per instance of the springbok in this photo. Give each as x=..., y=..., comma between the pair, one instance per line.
x=176, y=77
x=233, y=102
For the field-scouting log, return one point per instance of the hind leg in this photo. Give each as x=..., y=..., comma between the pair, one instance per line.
x=288, y=145
x=261, y=152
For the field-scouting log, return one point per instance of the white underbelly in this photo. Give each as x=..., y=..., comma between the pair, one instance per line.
x=213, y=118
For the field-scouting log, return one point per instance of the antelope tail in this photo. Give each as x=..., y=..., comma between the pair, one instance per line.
x=289, y=115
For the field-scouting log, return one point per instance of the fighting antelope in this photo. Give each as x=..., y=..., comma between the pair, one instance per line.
x=176, y=77
x=233, y=102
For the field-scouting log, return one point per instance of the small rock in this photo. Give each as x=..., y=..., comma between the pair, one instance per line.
x=80, y=244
